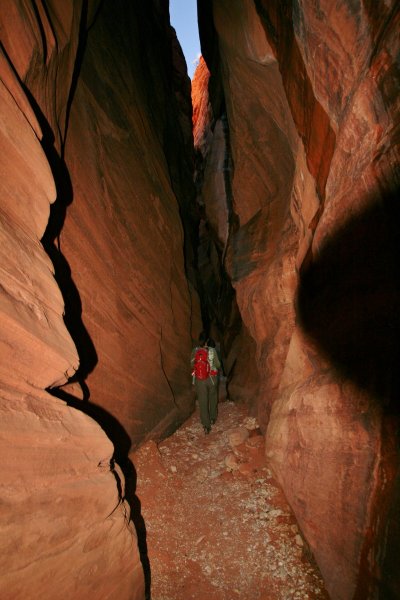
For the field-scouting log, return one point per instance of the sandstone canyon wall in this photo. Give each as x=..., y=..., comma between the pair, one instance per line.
x=90, y=93
x=298, y=145
x=129, y=156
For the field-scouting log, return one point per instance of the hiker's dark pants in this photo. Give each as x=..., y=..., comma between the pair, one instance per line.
x=207, y=395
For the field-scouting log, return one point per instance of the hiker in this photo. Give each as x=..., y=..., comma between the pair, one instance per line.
x=205, y=381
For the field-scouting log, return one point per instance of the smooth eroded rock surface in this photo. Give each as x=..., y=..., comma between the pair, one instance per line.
x=96, y=119
x=311, y=173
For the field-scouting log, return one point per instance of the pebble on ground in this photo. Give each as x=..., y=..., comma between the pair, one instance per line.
x=217, y=524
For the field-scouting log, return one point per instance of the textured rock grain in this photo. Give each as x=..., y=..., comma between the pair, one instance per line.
x=312, y=113
x=90, y=94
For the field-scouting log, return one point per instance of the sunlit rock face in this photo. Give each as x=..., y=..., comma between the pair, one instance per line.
x=95, y=111
x=63, y=526
x=128, y=160
x=309, y=93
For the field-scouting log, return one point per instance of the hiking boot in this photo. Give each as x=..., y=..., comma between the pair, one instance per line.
x=207, y=430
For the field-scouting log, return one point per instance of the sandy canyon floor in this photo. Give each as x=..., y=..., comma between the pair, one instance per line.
x=217, y=524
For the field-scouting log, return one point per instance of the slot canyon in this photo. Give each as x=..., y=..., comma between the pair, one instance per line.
x=259, y=202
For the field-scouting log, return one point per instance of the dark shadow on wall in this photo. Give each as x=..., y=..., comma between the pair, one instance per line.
x=85, y=347
x=349, y=300
x=52, y=245
x=51, y=238
x=72, y=302
x=136, y=517
x=122, y=444
x=83, y=342
x=349, y=304
x=87, y=353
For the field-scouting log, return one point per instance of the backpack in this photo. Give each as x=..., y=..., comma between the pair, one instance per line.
x=201, y=367
x=211, y=357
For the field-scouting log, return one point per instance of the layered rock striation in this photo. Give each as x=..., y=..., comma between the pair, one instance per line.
x=128, y=154
x=96, y=161
x=306, y=231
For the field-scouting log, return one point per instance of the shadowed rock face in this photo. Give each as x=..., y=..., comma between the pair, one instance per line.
x=309, y=96
x=96, y=119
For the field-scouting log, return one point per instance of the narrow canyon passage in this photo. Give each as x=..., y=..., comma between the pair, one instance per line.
x=258, y=203
x=217, y=524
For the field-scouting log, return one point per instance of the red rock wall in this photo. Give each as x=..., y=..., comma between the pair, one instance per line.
x=55, y=460
x=90, y=93
x=122, y=235
x=312, y=111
